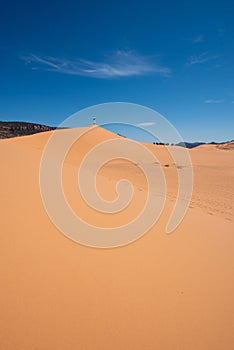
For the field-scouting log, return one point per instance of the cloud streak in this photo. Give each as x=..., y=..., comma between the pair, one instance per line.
x=213, y=101
x=146, y=124
x=202, y=58
x=199, y=39
x=119, y=64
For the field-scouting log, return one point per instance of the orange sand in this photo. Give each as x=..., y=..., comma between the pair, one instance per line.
x=162, y=292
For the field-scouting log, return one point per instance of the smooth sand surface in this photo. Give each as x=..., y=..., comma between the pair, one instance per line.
x=163, y=292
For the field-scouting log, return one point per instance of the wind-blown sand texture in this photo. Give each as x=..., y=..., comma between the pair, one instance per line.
x=163, y=292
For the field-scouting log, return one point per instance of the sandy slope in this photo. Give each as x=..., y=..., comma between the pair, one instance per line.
x=164, y=292
x=227, y=146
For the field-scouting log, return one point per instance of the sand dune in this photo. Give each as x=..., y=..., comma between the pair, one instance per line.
x=160, y=292
x=227, y=146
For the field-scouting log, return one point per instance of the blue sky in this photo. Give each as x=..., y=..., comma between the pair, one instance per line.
x=177, y=57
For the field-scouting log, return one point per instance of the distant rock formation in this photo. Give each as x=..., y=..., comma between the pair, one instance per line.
x=221, y=145
x=14, y=129
x=190, y=144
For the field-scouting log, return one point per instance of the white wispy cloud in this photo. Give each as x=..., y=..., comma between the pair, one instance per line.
x=202, y=58
x=118, y=64
x=214, y=101
x=199, y=39
x=146, y=124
